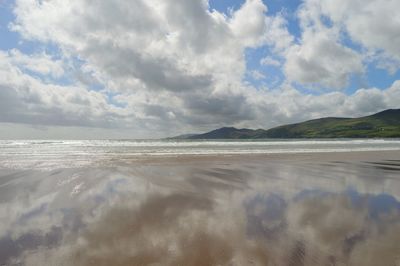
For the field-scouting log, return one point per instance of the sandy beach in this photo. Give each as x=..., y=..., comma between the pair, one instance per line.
x=275, y=209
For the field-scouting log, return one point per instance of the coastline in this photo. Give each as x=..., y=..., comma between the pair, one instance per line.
x=273, y=157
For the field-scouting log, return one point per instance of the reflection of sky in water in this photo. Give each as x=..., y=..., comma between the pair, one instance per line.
x=203, y=213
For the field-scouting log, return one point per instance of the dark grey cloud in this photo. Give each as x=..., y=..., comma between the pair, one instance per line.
x=155, y=73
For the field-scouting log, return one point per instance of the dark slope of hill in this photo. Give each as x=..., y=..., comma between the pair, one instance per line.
x=385, y=124
x=228, y=133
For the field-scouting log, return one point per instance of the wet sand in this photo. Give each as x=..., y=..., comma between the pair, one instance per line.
x=276, y=209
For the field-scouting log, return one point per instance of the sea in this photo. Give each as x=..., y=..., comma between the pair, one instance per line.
x=48, y=154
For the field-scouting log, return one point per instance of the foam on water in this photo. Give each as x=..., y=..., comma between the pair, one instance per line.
x=45, y=154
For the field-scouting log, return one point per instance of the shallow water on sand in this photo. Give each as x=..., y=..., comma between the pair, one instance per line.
x=315, y=209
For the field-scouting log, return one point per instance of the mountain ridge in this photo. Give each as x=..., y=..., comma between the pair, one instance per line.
x=384, y=124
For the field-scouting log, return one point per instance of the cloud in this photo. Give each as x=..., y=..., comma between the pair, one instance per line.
x=38, y=63
x=257, y=75
x=269, y=61
x=371, y=23
x=277, y=34
x=327, y=54
x=248, y=23
x=26, y=99
x=29, y=100
x=319, y=60
x=178, y=66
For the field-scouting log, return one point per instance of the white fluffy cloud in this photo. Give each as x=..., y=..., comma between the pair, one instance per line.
x=248, y=23
x=38, y=63
x=322, y=58
x=173, y=66
x=372, y=23
x=319, y=60
x=269, y=61
x=29, y=100
x=277, y=34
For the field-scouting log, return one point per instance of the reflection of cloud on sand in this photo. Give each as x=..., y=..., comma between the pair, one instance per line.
x=189, y=229
x=340, y=228
x=207, y=213
x=381, y=249
x=177, y=229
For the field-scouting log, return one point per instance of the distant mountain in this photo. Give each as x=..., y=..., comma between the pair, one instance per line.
x=184, y=136
x=385, y=124
x=227, y=133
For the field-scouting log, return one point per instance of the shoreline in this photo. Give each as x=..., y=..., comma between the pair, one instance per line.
x=51, y=163
x=303, y=156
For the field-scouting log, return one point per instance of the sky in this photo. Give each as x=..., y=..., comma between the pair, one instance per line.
x=157, y=68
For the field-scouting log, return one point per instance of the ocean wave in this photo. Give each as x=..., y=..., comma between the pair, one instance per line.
x=66, y=154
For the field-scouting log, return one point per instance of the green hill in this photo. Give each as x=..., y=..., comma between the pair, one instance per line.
x=385, y=124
